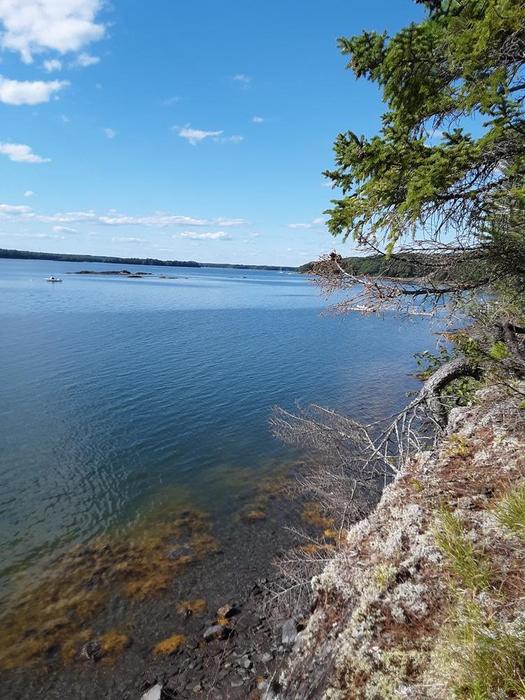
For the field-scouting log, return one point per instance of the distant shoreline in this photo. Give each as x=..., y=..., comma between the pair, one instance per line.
x=70, y=257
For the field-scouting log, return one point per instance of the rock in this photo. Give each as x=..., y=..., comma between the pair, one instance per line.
x=214, y=632
x=246, y=662
x=180, y=551
x=92, y=651
x=266, y=658
x=153, y=693
x=237, y=683
x=228, y=611
x=197, y=688
x=289, y=633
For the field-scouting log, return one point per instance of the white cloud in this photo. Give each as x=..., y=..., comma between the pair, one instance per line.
x=207, y=236
x=231, y=222
x=128, y=239
x=14, y=209
x=21, y=153
x=52, y=64
x=257, y=120
x=64, y=229
x=28, y=92
x=311, y=224
x=33, y=26
x=32, y=235
x=243, y=79
x=110, y=133
x=85, y=59
x=195, y=136
x=113, y=218
x=28, y=193
x=236, y=138
x=171, y=100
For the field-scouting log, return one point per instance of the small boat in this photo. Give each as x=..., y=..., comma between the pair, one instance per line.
x=53, y=279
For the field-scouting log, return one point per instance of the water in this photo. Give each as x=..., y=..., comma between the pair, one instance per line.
x=122, y=397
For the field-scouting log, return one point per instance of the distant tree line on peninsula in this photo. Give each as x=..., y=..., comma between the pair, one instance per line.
x=69, y=257
x=409, y=266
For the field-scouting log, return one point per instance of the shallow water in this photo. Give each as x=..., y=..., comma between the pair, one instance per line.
x=126, y=401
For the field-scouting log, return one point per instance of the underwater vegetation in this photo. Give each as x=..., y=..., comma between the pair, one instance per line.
x=170, y=645
x=51, y=620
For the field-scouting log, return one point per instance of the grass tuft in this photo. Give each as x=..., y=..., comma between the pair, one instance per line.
x=470, y=566
x=511, y=511
x=483, y=658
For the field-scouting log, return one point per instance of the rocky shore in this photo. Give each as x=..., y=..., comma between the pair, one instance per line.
x=425, y=598
x=236, y=656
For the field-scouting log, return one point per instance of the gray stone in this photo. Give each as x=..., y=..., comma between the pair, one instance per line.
x=214, y=632
x=289, y=633
x=266, y=658
x=153, y=693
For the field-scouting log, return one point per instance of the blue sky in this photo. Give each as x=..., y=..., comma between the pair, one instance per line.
x=178, y=130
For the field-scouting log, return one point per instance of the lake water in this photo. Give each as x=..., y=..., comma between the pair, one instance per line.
x=127, y=401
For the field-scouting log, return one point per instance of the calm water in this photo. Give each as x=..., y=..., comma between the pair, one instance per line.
x=119, y=394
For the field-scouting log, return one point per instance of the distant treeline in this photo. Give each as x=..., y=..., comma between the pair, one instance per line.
x=407, y=266
x=67, y=257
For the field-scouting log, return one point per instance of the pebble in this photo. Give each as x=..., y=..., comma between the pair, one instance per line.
x=153, y=693
x=214, y=632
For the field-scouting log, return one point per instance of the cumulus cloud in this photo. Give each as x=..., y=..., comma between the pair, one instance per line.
x=110, y=133
x=28, y=92
x=195, y=136
x=257, y=120
x=113, y=218
x=33, y=26
x=64, y=229
x=128, y=239
x=311, y=224
x=21, y=153
x=28, y=193
x=85, y=59
x=205, y=236
x=52, y=64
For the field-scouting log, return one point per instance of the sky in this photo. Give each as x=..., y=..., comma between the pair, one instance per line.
x=176, y=130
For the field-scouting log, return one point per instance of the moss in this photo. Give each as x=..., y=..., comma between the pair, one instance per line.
x=170, y=645
x=252, y=515
x=458, y=446
x=112, y=645
x=314, y=515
